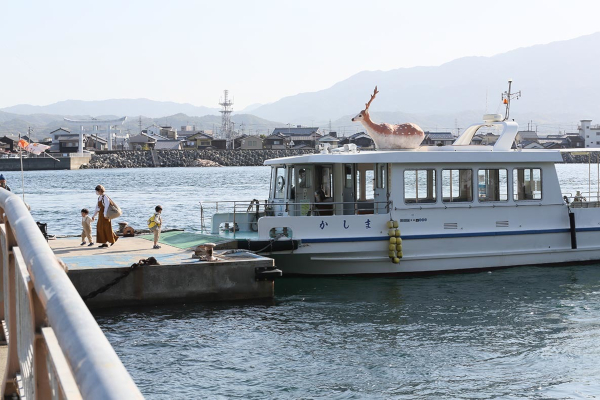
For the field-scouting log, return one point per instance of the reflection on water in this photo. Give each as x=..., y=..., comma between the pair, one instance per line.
x=522, y=332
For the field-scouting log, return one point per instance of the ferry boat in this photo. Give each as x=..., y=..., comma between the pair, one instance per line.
x=433, y=208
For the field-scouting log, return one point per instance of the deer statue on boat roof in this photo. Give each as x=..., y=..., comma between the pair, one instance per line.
x=388, y=136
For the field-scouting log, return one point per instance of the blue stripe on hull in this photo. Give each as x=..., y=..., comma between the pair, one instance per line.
x=447, y=235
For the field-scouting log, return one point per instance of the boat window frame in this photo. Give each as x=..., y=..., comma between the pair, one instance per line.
x=442, y=186
x=515, y=182
x=283, y=190
x=508, y=184
x=435, y=186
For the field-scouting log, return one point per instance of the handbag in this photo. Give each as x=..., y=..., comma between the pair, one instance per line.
x=114, y=211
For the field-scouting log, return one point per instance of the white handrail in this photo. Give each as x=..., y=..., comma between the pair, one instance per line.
x=96, y=368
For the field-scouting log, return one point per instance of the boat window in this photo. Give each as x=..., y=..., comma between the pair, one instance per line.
x=370, y=183
x=419, y=186
x=291, y=180
x=280, y=183
x=327, y=181
x=457, y=185
x=381, y=174
x=304, y=180
x=348, y=172
x=492, y=185
x=527, y=183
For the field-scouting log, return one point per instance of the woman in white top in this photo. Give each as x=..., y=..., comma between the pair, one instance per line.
x=104, y=231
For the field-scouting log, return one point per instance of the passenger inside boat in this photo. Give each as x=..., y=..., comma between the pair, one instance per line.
x=323, y=194
x=331, y=189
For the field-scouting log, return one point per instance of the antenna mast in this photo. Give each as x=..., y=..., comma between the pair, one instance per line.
x=507, y=97
x=226, y=130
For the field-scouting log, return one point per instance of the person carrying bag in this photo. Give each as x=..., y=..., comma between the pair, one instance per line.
x=104, y=231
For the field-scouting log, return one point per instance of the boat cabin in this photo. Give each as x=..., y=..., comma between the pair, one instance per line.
x=350, y=183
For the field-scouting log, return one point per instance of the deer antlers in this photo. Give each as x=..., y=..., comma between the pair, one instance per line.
x=372, y=98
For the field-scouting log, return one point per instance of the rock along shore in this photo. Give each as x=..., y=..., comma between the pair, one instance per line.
x=187, y=158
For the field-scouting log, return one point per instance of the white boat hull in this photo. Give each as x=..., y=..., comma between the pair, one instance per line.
x=369, y=257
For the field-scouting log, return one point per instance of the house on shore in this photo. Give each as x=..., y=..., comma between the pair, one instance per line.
x=589, y=133
x=525, y=138
x=197, y=141
x=437, y=139
x=361, y=139
x=64, y=141
x=330, y=139
x=293, y=137
x=141, y=142
x=249, y=142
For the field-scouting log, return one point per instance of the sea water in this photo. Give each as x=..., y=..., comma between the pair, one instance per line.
x=526, y=332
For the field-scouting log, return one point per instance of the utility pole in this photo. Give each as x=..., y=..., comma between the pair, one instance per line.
x=140, y=123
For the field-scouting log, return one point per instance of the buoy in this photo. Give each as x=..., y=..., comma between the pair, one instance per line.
x=392, y=254
x=390, y=224
x=395, y=223
x=398, y=247
x=399, y=254
x=392, y=240
x=392, y=247
x=391, y=232
x=398, y=240
x=397, y=233
x=396, y=260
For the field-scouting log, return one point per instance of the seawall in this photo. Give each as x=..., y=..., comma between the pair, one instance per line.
x=188, y=158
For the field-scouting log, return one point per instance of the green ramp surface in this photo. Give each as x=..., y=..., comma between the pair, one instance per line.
x=185, y=240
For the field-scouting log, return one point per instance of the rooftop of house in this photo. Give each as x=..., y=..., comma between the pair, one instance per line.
x=327, y=139
x=528, y=135
x=439, y=135
x=297, y=131
x=141, y=138
x=199, y=135
x=61, y=129
x=154, y=136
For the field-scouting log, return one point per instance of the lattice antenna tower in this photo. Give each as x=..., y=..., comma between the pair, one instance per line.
x=227, y=109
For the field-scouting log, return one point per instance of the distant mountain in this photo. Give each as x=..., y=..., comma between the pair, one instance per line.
x=559, y=77
x=120, y=107
x=250, y=108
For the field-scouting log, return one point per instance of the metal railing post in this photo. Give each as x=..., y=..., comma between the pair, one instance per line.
x=92, y=362
x=9, y=385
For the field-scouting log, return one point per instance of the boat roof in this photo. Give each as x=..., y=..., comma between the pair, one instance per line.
x=426, y=155
x=461, y=151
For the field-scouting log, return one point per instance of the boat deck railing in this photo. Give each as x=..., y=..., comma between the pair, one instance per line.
x=582, y=199
x=242, y=209
x=55, y=348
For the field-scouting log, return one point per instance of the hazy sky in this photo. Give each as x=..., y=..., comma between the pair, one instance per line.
x=189, y=51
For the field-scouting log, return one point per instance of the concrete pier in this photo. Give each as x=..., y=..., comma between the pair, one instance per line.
x=43, y=163
x=178, y=278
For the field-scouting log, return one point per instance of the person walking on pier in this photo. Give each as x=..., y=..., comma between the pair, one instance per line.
x=3, y=184
x=155, y=223
x=104, y=231
x=86, y=224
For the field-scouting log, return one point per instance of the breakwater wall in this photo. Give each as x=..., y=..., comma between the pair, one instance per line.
x=211, y=158
x=188, y=158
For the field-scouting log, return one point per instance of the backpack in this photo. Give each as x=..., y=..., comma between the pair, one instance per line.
x=152, y=223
